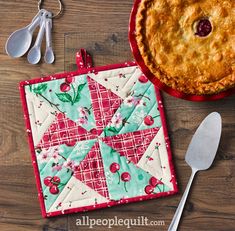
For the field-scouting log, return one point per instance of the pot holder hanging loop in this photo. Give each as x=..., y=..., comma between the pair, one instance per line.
x=83, y=59
x=98, y=138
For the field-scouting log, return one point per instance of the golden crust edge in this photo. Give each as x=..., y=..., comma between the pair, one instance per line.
x=198, y=89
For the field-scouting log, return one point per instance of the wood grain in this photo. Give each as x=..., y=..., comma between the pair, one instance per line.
x=211, y=203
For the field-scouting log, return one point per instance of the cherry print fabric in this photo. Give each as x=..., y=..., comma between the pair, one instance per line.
x=125, y=179
x=97, y=137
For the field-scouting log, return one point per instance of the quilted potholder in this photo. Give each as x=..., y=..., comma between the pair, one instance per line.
x=98, y=138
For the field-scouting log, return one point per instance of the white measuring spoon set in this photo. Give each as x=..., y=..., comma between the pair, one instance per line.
x=19, y=41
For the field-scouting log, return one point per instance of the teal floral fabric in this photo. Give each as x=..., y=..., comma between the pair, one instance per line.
x=71, y=146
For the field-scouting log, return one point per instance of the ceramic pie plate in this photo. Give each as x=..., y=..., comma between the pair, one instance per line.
x=153, y=78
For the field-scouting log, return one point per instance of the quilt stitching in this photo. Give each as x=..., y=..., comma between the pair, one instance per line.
x=104, y=102
x=69, y=134
x=65, y=131
x=57, y=165
x=125, y=179
x=132, y=145
x=118, y=82
x=91, y=171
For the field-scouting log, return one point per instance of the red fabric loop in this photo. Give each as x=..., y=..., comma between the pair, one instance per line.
x=83, y=59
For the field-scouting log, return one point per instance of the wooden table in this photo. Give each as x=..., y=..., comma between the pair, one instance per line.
x=211, y=205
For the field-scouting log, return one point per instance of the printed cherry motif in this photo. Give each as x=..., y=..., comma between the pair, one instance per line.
x=54, y=189
x=69, y=79
x=64, y=87
x=149, y=120
x=125, y=177
x=143, y=79
x=53, y=183
x=153, y=181
x=149, y=189
x=114, y=168
x=149, y=158
x=56, y=180
x=157, y=145
x=47, y=181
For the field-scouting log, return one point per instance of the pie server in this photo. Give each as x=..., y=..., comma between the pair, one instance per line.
x=200, y=155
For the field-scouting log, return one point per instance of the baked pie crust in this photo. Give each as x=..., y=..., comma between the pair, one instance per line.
x=173, y=50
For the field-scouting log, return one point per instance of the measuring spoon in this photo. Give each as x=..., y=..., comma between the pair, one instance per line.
x=19, y=41
x=34, y=54
x=49, y=54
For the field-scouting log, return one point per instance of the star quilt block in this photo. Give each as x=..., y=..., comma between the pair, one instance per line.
x=98, y=138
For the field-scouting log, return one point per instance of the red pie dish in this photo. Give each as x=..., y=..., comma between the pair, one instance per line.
x=186, y=47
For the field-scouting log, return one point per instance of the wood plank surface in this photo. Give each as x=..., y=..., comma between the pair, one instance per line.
x=211, y=205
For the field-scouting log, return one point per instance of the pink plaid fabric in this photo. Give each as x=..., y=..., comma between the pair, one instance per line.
x=104, y=102
x=91, y=171
x=132, y=145
x=64, y=131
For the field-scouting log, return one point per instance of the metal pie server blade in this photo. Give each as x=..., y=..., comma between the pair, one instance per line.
x=200, y=155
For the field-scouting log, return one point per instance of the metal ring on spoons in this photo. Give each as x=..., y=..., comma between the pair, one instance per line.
x=40, y=3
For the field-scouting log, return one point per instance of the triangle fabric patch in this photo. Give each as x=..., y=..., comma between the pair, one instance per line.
x=126, y=180
x=76, y=194
x=65, y=131
x=132, y=145
x=120, y=81
x=104, y=103
x=98, y=139
x=41, y=116
x=60, y=164
x=67, y=95
x=155, y=160
x=139, y=111
x=91, y=171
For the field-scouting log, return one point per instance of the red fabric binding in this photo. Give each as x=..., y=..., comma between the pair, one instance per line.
x=84, y=62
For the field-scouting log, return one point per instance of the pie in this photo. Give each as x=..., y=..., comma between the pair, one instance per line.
x=189, y=44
